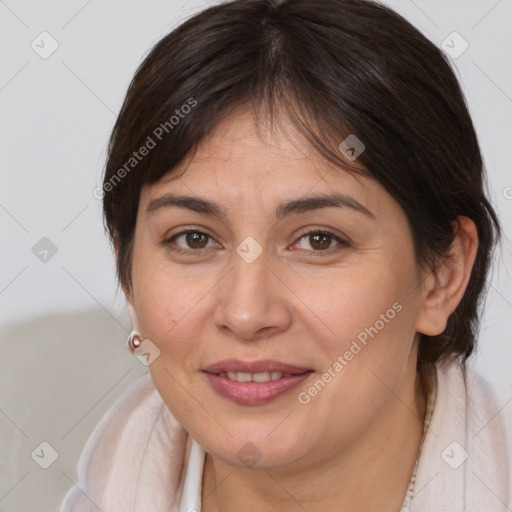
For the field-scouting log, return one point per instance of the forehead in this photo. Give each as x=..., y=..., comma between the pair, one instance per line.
x=250, y=150
x=242, y=164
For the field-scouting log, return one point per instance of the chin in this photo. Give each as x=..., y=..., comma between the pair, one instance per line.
x=252, y=455
x=255, y=446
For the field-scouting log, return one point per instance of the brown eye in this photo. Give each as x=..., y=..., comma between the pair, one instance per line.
x=196, y=240
x=321, y=242
x=190, y=241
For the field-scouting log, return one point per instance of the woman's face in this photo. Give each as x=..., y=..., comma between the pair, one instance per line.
x=251, y=284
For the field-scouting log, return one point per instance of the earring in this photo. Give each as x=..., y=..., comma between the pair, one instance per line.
x=134, y=341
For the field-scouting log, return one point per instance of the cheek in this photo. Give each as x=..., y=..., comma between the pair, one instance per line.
x=168, y=313
x=165, y=301
x=364, y=326
x=352, y=301
x=365, y=349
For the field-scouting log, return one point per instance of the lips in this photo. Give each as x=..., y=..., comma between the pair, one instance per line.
x=256, y=382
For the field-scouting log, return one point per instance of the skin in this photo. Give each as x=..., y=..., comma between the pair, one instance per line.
x=354, y=445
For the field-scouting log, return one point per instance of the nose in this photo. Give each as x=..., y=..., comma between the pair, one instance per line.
x=253, y=301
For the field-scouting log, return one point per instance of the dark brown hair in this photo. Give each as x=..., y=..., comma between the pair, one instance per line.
x=334, y=68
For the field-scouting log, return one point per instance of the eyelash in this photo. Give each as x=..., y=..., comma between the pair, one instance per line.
x=342, y=243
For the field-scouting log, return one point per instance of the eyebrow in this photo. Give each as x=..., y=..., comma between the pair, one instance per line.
x=294, y=206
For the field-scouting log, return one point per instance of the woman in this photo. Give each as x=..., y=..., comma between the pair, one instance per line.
x=295, y=195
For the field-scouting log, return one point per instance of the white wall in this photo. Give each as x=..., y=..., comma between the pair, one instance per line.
x=56, y=116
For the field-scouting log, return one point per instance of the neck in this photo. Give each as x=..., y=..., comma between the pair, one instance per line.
x=371, y=474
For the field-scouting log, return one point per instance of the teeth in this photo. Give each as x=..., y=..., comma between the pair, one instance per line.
x=254, y=377
x=261, y=377
x=240, y=376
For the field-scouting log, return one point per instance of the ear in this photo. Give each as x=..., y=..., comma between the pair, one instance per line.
x=444, y=287
x=133, y=314
x=128, y=293
x=130, y=303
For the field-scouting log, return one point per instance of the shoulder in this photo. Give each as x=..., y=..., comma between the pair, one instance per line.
x=483, y=406
x=471, y=444
x=127, y=437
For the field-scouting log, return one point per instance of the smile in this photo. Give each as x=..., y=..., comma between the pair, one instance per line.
x=254, y=377
x=254, y=383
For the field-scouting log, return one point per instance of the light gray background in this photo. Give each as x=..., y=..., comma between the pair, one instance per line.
x=63, y=326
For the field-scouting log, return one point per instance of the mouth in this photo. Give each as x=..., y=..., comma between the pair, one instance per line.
x=254, y=383
x=253, y=377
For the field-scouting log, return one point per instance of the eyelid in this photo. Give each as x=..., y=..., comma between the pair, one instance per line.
x=343, y=241
x=167, y=240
